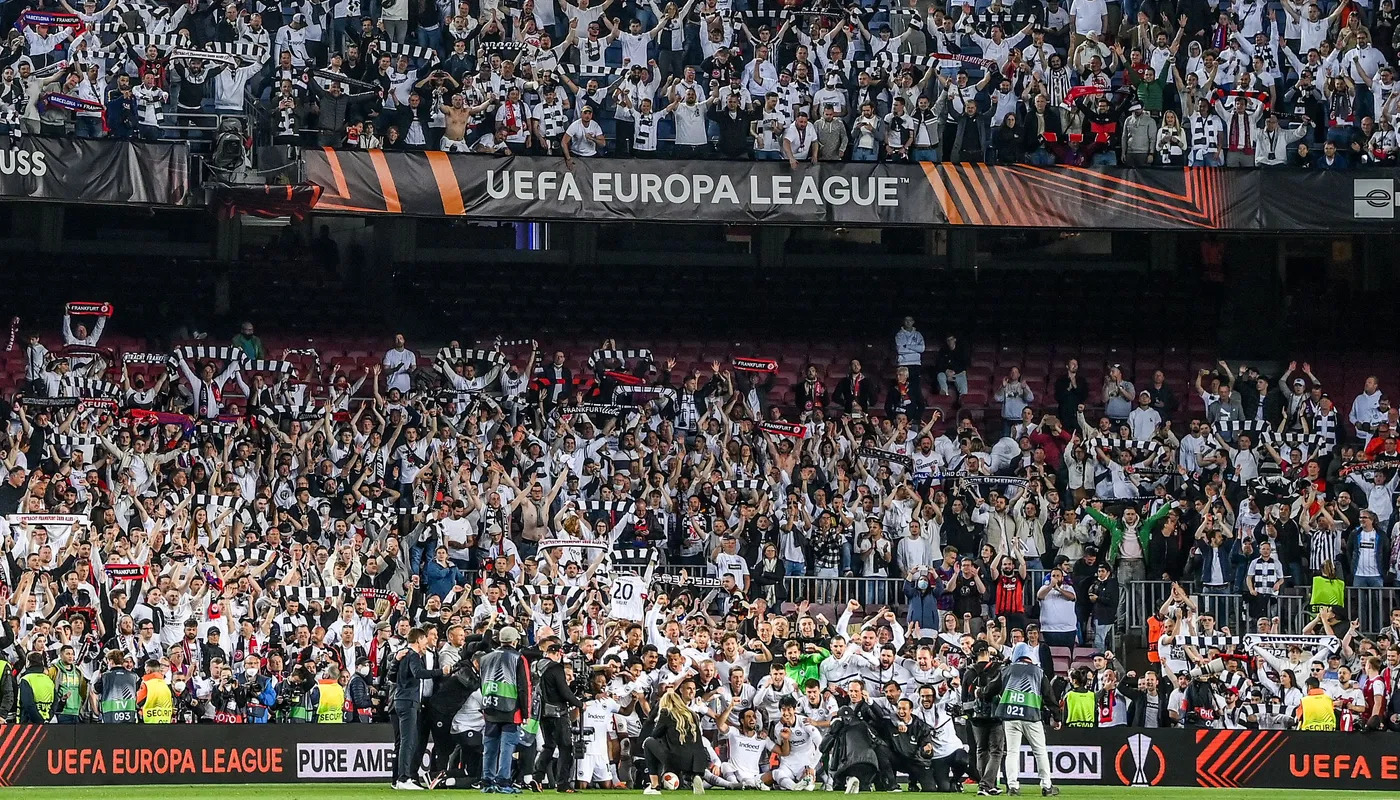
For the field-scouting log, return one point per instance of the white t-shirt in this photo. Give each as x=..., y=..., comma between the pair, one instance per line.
x=634, y=48
x=1088, y=16
x=400, y=363
x=800, y=140
x=579, y=142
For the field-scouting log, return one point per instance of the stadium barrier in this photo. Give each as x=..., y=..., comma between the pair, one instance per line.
x=54, y=755
x=437, y=184
x=95, y=171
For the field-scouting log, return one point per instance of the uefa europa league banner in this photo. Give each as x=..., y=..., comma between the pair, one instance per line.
x=94, y=754
x=95, y=171
x=832, y=193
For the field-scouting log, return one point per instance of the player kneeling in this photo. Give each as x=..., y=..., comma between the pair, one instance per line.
x=748, y=752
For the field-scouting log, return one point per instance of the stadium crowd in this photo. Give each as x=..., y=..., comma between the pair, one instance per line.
x=1157, y=82
x=478, y=537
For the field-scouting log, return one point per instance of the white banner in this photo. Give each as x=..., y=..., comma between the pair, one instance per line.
x=330, y=760
x=1067, y=762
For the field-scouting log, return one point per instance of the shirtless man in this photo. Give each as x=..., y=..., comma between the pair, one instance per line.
x=459, y=116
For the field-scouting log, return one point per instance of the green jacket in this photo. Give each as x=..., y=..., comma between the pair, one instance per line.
x=1151, y=94
x=1115, y=529
x=251, y=346
x=806, y=667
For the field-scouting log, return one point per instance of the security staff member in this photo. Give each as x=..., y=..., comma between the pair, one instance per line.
x=36, y=691
x=1024, y=697
x=554, y=699
x=9, y=691
x=116, y=690
x=1316, y=712
x=328, y=697
x=154, y=699
x=1080, y=701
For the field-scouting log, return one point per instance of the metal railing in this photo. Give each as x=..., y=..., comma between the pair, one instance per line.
x=1371, y=605
x=839, y=591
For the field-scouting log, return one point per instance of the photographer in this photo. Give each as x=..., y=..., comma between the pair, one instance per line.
x=553, y=700
x=988, y=737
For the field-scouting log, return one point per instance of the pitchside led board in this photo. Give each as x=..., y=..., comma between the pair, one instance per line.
x=831, y=193
x=51, y=755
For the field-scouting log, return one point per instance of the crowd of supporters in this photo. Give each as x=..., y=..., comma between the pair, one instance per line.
x=1157, y=82
x=222, y=535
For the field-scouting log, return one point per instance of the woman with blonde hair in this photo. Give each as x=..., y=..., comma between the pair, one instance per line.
x=674, y=744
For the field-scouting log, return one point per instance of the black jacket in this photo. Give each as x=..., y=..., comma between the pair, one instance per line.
x=954, y=359
x=734, y=138
x=846, y=395
x=909, y=743
x=848, y=744
x=1137, y=706
x=554, y=687
x=681, y=757
x=410, y=671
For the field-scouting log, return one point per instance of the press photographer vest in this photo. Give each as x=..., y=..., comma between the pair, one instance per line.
x=1020, y=695
x=499, y=692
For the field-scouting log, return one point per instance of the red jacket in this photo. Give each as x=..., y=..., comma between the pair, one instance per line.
x=1054, y=444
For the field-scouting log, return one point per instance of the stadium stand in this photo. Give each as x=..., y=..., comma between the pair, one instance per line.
x=743, y=496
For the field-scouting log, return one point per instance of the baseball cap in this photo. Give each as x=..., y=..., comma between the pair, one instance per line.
x=508, y=635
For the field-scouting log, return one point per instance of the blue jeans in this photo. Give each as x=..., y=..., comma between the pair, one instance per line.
x=1368, y=582
x=1207, y=160
x=88, y=127
x=768, y=155
x=498, y=746
x=431, y=38
x=1059, y=638
x=846, y=553
x=926, y=154
x=794, y=569
x=864, y=154
x=1103, y=635
x=1108, y=159
x=1041, y=157
x=1340, y=135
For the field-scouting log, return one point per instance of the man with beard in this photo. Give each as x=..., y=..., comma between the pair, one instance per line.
x=912, y=746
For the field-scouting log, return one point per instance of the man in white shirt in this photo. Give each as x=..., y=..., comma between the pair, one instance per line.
x=798, y=141
x=583, y=138
x=1086, y=17
x=399, y=364
x=692, y=139
x=1363, y=408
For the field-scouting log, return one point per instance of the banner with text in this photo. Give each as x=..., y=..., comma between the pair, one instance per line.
x=94, y=171
x=53, y=755
x=92, y=754
x=830, y=193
